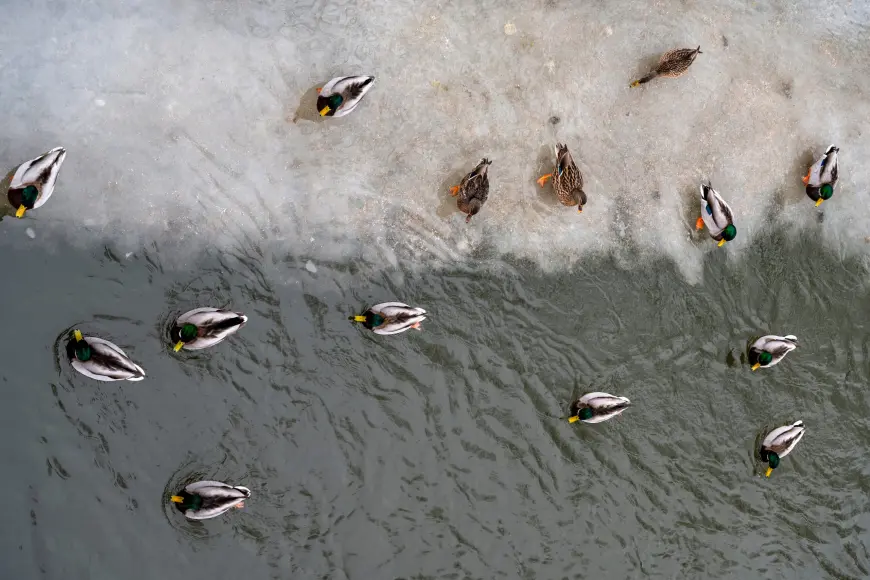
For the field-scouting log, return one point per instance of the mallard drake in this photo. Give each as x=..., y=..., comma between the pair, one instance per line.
x=770, y=350
x=672, y=64
x=341, y=95
x=204, y=327
x=473, y=190
x=822, y=176
x=391, y=318
x=207, y=499
x=717, y=216
x=597, y=407
x=779, y=443
x=101, y=360
x=567, y=179
x=33, y=181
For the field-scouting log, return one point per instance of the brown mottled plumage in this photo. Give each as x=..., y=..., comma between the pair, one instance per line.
x=567, y=179
x=473, y=190
x=673, y=63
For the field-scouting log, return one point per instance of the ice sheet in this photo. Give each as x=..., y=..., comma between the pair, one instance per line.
x=178, y=123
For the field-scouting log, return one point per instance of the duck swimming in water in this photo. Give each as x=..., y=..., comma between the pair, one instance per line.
x=770, y=350
x=207, y=499
x=779, y=443
x=341, y=95
x=567, y=179
x=204, y=327
x=672, y=64
x=101, y=360
x=33, y=181
x=473, y=190
x=597, y=407
x=391, y=318
x=822, y=176
x=716, y=215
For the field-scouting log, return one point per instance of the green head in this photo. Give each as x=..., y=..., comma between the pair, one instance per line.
x=765, y=357
x=729, y=233
x=187, y=501
x=82, y=351
x=772, y=459
x=329, y=105
x=188, y=332
x=28, y=196
x=376, y=319
x=827, y=191
x=585, y=413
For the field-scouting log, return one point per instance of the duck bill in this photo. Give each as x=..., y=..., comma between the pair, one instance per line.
x=21, y=209
x=818, y=203
x=721, y=243
x=178, y=346
x=324, y=111
x=768, y=472
x=78, y=335
x=756, y=366
x=176, y=499
x=359, y=318
x=573, y=419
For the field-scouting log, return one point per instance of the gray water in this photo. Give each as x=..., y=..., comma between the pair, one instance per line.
x=442, y=453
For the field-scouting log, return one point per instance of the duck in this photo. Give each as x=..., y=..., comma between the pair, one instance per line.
x=33, y=181
x=567, y=179
x=597, y=407
x=101, y=360
x=672, y=64
x=204, y=327
x=203, y=500
x=473, y=190
x=391, y=318
x=822, y=176
x=770, y=350
x=716, y=215
x=779, y=443
x=341, y=95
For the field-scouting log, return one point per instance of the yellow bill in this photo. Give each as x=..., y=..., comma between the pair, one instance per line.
x=176, y=499
x=178, y=346
x=22, y=209
x=359, y=318
x=721, y=243
x=634, y=84
x=818, y=203
x=78, y=334
x=768, y=472
x=756, y=366
x=324, y=111
x=573, y=419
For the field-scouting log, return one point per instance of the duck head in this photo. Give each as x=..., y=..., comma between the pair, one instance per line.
x=728, y=234
x=187, y=333
x=23, y=199
x=327, y=106
x=582, y=415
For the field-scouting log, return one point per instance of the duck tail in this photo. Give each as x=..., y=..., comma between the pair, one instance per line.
x=645, y=79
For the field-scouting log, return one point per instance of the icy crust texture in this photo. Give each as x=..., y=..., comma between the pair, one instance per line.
x=178, y=119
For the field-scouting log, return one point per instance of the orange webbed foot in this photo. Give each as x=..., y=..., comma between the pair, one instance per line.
x=543, y=179
x=699, y=223
x=318, y=89
x=454, y=191
x=806, y=178
x=416, y=326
